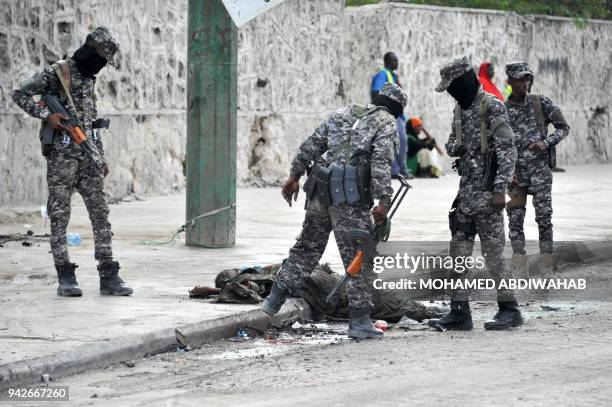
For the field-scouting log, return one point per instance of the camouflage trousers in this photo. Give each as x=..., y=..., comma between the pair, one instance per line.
x=66, y=174
x=542, y=203
x=489, y=226
x=311, y=243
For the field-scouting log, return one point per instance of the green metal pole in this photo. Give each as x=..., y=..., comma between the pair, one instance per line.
x=211, y=125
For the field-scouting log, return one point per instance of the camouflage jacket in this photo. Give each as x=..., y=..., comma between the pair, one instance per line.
x=335, y=142
x=532, y=167
x=83, y=96
x=475, y=195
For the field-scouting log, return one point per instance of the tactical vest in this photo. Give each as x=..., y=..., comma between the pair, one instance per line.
x=484, y=105
x=490, y=157
x=349, y=183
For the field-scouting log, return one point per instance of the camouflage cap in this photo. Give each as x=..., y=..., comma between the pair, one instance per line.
x=451, y=71
x=104, y=42
x=516, y=70
x=394, y=92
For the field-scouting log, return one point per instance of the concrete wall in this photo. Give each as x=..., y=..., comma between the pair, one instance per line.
x=297, y=63
x=145, y=98
x=572, y=65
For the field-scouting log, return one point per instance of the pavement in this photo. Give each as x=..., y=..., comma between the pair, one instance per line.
x=35, y=323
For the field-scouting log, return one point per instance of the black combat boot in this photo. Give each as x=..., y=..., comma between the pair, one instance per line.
x=508, y=316
x=68, y=286
x=361, y=326
x=459, y=318
x=274, y=301
x=110, y=283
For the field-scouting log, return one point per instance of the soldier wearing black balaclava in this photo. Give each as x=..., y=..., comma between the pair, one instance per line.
x=483, y=142
x=72, y=82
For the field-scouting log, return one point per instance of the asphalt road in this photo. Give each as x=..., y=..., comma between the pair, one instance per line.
x=559, y=357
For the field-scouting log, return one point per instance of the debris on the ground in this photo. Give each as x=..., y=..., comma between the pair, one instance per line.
x=381, y=324
x=203, y=292
x=26, y=243
x=410, y=324
x=29, y=236
x=438, y=328
x=241, y=336
x=549, y=308
x=297, y=328
x=128, y=364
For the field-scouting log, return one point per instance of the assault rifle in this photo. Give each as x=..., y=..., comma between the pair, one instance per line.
x=76, y=133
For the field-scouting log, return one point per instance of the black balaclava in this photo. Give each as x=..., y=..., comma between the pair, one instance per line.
x=464, y=88
x=88, y=62
x=391, y=105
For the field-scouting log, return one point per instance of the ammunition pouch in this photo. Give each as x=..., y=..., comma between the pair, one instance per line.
x=321, y=176
x=552, y=156
x=336, y=184
x=351, y=185
x=455, y=225
x=317, y=185
x=364, y=179
x=518, y=197
x=340, y=184
x=310, y=188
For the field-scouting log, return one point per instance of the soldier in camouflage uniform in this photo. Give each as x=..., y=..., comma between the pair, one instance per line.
x=530, y=116
x=479, y=132
x=353, y=135
x=67, y=167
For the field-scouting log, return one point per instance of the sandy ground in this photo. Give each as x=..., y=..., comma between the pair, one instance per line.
x=558, y=357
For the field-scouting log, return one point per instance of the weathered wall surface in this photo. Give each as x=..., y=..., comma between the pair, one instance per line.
x=289, y=72
x=144, y=98
x=297, y=63
x=572, y=65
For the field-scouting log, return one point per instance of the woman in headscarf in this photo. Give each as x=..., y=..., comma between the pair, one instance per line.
x=485, y=74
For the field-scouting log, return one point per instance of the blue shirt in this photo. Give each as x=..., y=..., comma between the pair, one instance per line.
x=382, y=77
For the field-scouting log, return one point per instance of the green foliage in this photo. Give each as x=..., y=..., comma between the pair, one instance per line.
x=360, y=2
x=578, y=9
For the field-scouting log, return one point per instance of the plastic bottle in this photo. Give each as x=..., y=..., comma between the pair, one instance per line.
x=74, y=239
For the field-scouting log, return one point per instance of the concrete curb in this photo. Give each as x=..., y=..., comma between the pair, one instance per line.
x=91, y=356
x=211, y=331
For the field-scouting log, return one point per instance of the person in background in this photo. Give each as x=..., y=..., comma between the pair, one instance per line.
x=421, y=160
x=485, y=76
x=530, y=116
x=72, y=81
x=388, y=74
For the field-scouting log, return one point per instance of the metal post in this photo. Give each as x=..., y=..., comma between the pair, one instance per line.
x=211, y=125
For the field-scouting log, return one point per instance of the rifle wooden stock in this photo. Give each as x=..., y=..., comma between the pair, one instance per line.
x=355, y=266
x=77, y=135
